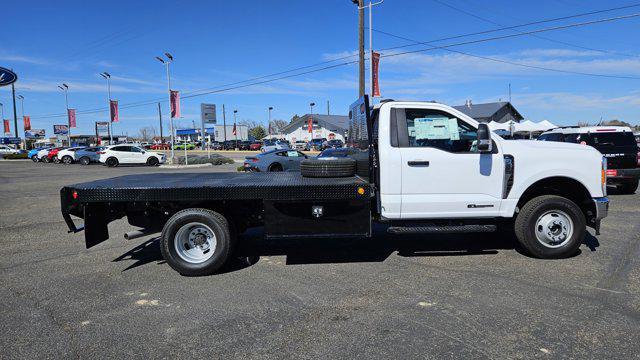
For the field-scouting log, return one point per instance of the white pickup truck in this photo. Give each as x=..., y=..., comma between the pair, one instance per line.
x=423, y=167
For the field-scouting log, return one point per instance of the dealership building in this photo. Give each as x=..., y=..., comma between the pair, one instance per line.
x=324, y=126
x=214, y=133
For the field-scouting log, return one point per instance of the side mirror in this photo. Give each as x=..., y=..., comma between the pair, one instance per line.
x=484, y=138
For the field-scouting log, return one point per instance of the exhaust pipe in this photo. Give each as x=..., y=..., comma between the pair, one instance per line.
x=139, y=233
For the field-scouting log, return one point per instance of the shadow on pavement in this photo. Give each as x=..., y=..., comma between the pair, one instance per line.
x=299, y=251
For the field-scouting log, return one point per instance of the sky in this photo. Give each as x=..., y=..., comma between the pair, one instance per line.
x=216, y=43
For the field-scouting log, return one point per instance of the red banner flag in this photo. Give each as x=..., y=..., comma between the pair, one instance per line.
x=7, y=128
x=27, y=122
x=375, y=67
x=310, y=124
x=113, y=110
x=234, y=129
x=72, y=117
x=175, y=104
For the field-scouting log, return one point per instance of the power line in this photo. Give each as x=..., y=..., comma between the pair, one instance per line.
x=538, y=22
x=532, y=35
x=232, y=86
x=560, y=27
x=513, y=62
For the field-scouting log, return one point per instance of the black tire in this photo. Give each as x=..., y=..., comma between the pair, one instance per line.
x=276, y=167
x=532, y=211
x=336, y=167
x=216, y=222
x=112, y=162
x=56, y=160
x=628, y=187
x=152, y=161
x=35, y=158
x=46, y=160
x=67, y=159
x=85, y=160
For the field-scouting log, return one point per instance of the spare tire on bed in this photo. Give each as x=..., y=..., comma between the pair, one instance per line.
x=328, y=167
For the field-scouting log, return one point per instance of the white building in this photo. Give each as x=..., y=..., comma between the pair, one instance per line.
x=215, y=133
x=324, y=126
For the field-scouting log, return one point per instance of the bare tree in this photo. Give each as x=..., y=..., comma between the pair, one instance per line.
x=147, y=133
x=277, y=125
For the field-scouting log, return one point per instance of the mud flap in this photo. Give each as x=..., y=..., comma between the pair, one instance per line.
x=96, y=220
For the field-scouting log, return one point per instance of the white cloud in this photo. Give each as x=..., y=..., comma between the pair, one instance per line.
x=22, y=59
x=557, y=53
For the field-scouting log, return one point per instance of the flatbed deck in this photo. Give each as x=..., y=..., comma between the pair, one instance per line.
x=216, y=186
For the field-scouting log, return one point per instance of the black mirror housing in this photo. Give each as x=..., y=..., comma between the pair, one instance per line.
x=484, y=142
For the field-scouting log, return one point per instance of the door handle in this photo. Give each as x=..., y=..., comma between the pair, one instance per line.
x=418, y=163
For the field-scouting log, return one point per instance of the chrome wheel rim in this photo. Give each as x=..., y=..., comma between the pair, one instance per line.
x=195, y=243
x=554, y=229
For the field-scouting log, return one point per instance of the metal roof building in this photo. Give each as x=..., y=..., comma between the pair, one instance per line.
x=501, y=111
x=324, y=126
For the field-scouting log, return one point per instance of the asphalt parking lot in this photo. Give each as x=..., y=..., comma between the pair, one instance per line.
x=471, y=296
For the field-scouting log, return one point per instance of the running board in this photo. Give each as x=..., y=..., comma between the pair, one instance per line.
x=444, y=229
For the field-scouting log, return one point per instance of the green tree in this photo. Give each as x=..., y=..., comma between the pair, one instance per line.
x=258, y=132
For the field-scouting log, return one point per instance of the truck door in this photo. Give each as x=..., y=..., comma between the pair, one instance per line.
x=443, y=174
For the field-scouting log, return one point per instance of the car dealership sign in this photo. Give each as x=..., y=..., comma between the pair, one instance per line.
x=7, y=77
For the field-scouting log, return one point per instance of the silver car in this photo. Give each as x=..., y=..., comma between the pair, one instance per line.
x=275, y=160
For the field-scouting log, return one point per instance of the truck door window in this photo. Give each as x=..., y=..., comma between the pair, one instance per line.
x=438, y=129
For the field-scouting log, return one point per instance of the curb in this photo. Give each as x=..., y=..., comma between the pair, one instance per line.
x=194, y=166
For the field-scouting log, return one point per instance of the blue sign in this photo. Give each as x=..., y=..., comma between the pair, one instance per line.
x=7, y=77
x=10, y=140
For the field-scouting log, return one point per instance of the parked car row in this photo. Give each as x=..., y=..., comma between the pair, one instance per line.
x=289, y=159
x=112, y=155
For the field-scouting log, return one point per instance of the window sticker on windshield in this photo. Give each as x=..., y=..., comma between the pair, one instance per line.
x=292, y=153
x=436, y=128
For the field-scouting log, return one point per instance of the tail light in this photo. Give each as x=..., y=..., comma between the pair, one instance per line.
x=252, y=160
x=612, y=172
x=100, y=152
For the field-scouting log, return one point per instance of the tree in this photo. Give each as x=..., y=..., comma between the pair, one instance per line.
x=258, y=132
x=147, y=133
x=277, y=125
x=615, y=123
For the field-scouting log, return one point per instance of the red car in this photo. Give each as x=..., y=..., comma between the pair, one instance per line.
x=161, y=146
x=256, y=145
x=53, y=155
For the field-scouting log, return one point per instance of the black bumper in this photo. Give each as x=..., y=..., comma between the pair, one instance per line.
x=624, y=175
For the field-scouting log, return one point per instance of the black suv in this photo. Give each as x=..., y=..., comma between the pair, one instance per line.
x=616, y=143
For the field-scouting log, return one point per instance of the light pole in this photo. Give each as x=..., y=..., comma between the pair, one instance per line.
x=166, y=63
x=269, y=123
x=370, y=6
x=65, y=88
x=311, y=105
x=235, y=128
x=107, y=77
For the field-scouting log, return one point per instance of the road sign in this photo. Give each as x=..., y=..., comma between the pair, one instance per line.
x=7, y=77
x=208, y=113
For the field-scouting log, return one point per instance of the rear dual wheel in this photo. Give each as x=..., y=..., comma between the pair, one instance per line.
x=196, y=241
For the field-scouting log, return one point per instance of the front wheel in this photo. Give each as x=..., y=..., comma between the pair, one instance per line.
x=196, y=241
x=67, y=159
x=85, y=160
x=550, y=227
x=45, y=159
x=34, y=158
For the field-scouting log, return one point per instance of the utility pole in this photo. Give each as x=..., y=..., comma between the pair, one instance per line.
x=15, y=113
x=160, y=116
x=224, y=122
x=65, y=88
x=328, y=108
x=360, y=4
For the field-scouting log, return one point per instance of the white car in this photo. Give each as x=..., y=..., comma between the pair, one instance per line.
x=67, y=156
x=6, y=150
x=300, y=145
x=115, y=155
x=277, y=145
x=42, y=154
